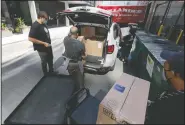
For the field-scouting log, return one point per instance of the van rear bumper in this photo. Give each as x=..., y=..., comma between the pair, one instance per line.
x=99, y=71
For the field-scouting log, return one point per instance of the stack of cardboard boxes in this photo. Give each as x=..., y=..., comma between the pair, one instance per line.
x=92, y=46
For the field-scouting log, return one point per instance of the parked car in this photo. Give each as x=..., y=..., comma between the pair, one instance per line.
x=102, y=20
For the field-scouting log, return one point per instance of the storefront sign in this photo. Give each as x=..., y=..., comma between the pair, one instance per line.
x=125, y=11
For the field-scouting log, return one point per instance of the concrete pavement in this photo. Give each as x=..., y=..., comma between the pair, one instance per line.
x=17, y=45
x=16, y=48
x=20, y=74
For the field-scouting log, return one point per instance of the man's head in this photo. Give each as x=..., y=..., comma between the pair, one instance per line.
x=174, y=68
x=42, y=17
x=133, y=28
x=74, y=32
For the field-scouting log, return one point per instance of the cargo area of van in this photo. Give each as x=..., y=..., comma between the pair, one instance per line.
x=95, y=45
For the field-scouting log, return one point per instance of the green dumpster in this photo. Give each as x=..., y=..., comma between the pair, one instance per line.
x=146, y=60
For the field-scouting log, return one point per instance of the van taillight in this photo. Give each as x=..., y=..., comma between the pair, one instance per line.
x=110, y=49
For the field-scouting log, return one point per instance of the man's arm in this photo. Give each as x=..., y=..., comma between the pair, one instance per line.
x=36, y=41
x=33, y=35
x=82, y=46
x=83, y=51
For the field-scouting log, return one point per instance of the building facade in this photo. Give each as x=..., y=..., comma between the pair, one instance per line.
x=28, y=10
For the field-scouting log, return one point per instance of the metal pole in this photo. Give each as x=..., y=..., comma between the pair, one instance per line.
x=179, y=15
x=149, y=18
x=172, y=28
x=163, y=19
x=147, y=13
x=167, y=10
x=153, y=16
x=157, y=5
x=180, y=34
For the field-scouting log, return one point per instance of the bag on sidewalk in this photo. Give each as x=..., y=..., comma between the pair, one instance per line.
x=62, y=63
x=61, y=66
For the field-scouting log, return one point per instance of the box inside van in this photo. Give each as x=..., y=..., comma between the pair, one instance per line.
x=95, y=44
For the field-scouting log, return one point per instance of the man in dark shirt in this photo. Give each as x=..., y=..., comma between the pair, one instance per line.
x=39, y=35
x=126, y=45
x=169, y=107
x=74, y=50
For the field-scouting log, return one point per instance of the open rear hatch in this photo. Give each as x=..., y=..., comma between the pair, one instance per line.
x=93, y=23
x=95, y=45
x=86, y=14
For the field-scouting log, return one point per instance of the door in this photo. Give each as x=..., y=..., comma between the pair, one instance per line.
x=116, y=37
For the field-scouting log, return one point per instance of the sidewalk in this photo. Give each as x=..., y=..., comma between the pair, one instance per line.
x=54, y=33
x=17, y=45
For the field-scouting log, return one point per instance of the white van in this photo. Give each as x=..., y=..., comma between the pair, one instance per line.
x=105, y=31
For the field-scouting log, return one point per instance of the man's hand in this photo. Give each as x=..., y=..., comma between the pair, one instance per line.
x=46, y=44
x=83, y=57
x=36, y=41
x=166, y=66
x=168, y=72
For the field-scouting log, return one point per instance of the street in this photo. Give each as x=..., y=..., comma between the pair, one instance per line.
x=21, y=71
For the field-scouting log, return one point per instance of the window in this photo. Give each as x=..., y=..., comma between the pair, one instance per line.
x=160, y=10
x=180, y=22
x=179, y=27
x=171, y=17
x=115, y=31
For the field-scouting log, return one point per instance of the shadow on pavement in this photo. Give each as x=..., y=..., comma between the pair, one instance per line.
x=20, y=76
x=17, y=63
x=11, y=64
x=17, y=85
x=95, y=83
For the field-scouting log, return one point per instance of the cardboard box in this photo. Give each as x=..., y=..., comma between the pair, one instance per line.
x=94, y=48
x=88, y=31
x=126, y=102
